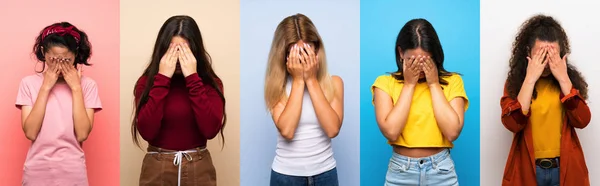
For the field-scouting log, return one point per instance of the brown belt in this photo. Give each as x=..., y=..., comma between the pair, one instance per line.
x=547, y=163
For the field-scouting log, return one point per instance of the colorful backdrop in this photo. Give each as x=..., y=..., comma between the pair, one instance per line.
x=338, y=24
x=219, y=22
x=457, y=25
x=498, y=32
x=22, y=21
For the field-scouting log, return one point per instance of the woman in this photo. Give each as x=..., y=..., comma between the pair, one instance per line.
x=306, y=103
x=420, y=109
x=544, y=100
x=179, y=106
x=57, y=108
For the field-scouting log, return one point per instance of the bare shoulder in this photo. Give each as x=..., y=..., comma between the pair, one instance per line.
x=337, y=81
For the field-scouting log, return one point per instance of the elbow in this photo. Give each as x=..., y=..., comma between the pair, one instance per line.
x=391, y=135
x=452, y=136
x=333, y=133
x=30, y=136
x=82, y=138
x=287, y=135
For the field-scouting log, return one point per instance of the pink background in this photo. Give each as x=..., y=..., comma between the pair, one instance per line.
x=21, y=21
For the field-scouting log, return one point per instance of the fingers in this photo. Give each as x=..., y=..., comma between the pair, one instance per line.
x=171, y=55
x=564, y=58
x=188, y=52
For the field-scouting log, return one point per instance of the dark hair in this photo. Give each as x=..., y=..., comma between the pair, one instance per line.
x=80, y=46
x=419, y=33
x=186, y=27
x=544, y=28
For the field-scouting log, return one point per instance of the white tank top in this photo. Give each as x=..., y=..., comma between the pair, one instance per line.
x=310, y=152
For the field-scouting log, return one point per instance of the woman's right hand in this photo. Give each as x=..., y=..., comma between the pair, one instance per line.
x=536, y=65
x=411, y=70
x=51, y=74
x=293, y=64
x=168, y=62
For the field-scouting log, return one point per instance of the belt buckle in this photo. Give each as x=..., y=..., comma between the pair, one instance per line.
x=545, y=163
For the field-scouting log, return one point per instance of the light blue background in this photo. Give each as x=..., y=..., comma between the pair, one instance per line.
x=457, y=25
x=338, y=24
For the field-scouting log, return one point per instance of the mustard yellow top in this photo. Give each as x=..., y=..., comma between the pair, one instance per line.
x=546, y=119
x=421, y=129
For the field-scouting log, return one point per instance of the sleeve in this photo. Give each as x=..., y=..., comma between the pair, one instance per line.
x=24, y=97
x=457, y=89
x=382, y=83
x=207, y=105
x=577, y=111
x=512, y=117
x=90, y=96
x=150, y=115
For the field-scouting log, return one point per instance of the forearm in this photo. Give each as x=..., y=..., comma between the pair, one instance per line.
x=209, y=115
x=33, y=123
x=396, y=120
x=81, y=121
x=525, y=94
x=150, y=115
x=447, y=119
x=330, y=121
x=289, y=118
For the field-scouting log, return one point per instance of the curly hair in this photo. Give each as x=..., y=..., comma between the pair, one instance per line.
x=544, y=28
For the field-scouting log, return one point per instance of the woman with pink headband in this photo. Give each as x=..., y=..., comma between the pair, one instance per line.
x=57, y=108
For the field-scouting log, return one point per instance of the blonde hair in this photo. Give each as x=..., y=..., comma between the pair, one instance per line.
x=291, y=30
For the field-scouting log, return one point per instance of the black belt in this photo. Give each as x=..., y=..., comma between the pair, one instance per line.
x=547, y=163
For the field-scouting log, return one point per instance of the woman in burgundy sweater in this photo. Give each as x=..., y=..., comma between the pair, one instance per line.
x=179, y=106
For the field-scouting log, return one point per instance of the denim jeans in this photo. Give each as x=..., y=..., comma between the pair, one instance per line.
x=437, y=170
x=548, y=177
x=328, y=178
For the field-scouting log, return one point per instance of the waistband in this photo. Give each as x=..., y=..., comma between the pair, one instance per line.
x=433, y=159
x=152, y=149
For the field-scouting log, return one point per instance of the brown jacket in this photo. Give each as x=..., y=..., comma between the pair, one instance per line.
x=520, y=166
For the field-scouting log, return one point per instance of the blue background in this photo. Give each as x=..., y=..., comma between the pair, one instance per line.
x=338, y=24
x=457, y=25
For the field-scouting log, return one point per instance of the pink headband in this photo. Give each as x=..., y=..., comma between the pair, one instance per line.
x=57, y=29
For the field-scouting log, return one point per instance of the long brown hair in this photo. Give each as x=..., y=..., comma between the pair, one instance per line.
x=544, y=28
x=292, y=29
x=186, y=27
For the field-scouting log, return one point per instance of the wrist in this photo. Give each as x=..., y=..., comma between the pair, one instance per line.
x=75, y=89
x=311, y=81
x=530, y=80
x=298, y=82
x=434, y=84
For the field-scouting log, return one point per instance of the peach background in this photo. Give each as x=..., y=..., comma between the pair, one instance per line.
x=21, y=22
x=219, y=22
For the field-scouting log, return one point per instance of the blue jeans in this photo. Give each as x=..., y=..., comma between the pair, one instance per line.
x=548, y=177
x=437, y=169
x=328, y=178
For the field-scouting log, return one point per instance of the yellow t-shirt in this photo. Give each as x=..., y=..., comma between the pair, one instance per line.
x=547, y=114
x=421, y=129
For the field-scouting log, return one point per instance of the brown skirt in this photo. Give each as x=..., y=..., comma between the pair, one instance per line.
x=158, y=168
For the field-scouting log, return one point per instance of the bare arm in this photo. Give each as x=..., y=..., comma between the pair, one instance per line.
x=448, y=115
x=392, y=118
x=330, y=115
x=287, y=115
x=32, y=117
x=83, y=118
x=525, y=95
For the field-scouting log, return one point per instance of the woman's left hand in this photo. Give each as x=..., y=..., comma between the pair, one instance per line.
x=310, y=62
x=558, y=65
x=186, y=60
x=430, y=70
x=71, y=75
